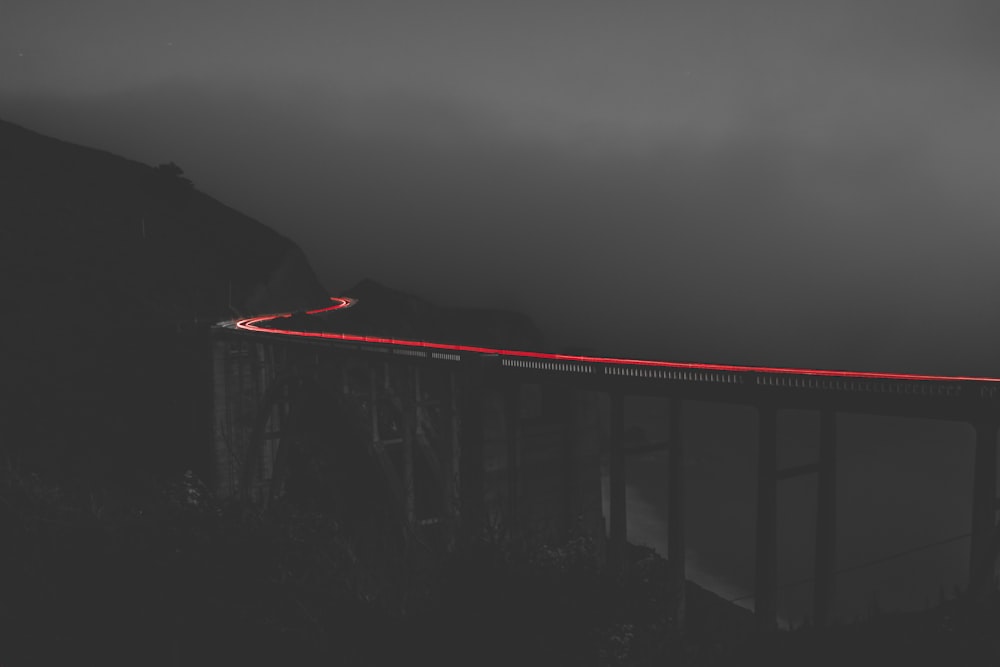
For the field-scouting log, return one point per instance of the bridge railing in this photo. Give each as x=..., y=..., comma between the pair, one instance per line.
x=888, y=386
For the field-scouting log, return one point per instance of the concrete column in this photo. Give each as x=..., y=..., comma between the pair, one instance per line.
x=453, y=479
x=373, y=399
x=766, y=579
x=675, y=511
x=254, y=467
x=616, y=466
x=471, y=456
x=202, y=413
x=512, y=417
x=239, y=430
x=571, y=438
x=824, y=590
x=982, y=555
x=409, y=410
x=223, y=435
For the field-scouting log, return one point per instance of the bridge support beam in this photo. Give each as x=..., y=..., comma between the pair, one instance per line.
x=409, y=409
x=616, y=473
x=512, y=417
x=824, y=589
x=452, y=478
x=378, y=445
x=471, y=455
x=766, y=579
x=982, y=554
x=571, y=438
x=675, y=513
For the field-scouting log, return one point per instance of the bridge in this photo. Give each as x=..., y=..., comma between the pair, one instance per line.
x=432, y=401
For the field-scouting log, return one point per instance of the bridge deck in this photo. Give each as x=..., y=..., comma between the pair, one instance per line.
x=718, y=380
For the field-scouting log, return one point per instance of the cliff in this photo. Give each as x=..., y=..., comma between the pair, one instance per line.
x=88, y=231
x=110, y=273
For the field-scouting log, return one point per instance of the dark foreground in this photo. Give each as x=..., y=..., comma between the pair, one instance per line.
x=174, y=578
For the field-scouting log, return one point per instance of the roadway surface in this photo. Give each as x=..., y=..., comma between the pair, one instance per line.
x=272, y=324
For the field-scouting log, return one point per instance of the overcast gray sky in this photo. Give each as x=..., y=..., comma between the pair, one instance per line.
x=801, y=183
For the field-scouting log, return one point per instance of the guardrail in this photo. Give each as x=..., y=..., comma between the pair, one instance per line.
x=718, y=374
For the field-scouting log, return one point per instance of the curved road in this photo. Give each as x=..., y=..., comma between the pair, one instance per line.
x=271, y=324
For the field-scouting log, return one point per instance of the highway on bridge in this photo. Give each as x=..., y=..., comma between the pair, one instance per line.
x=787, y=377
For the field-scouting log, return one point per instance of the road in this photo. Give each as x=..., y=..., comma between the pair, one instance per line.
x=271, y=324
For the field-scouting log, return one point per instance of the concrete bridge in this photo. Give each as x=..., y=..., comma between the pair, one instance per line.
x=472, y=438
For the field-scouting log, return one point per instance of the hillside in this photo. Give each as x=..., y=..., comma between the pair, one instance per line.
x=116, y=236
x=111, y=272
x=386, y=311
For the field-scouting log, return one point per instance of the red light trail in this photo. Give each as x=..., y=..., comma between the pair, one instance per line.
x=257, y=324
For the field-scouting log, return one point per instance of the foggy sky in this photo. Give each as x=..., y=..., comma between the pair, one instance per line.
x=773, y=182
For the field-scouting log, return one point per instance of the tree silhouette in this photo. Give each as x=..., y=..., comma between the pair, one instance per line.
x=173, y=173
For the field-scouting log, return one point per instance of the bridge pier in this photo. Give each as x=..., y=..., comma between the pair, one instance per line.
x=983, y=547
x=675, y=512
x=571, y=436
x=512, y=415
x=378, y=445
x=766, y=579
x=616, y=494
x=824, y=588
x=453, y=478
x=408, y=407
x=471, y=472
x=768, y=476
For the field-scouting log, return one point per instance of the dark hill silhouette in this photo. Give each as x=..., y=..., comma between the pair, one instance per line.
x=112, y=272
x=384, y=311
x=390, y=312
x=84, y=225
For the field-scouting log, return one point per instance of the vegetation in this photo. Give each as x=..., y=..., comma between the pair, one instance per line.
x=178, y=578
x=173, y=174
